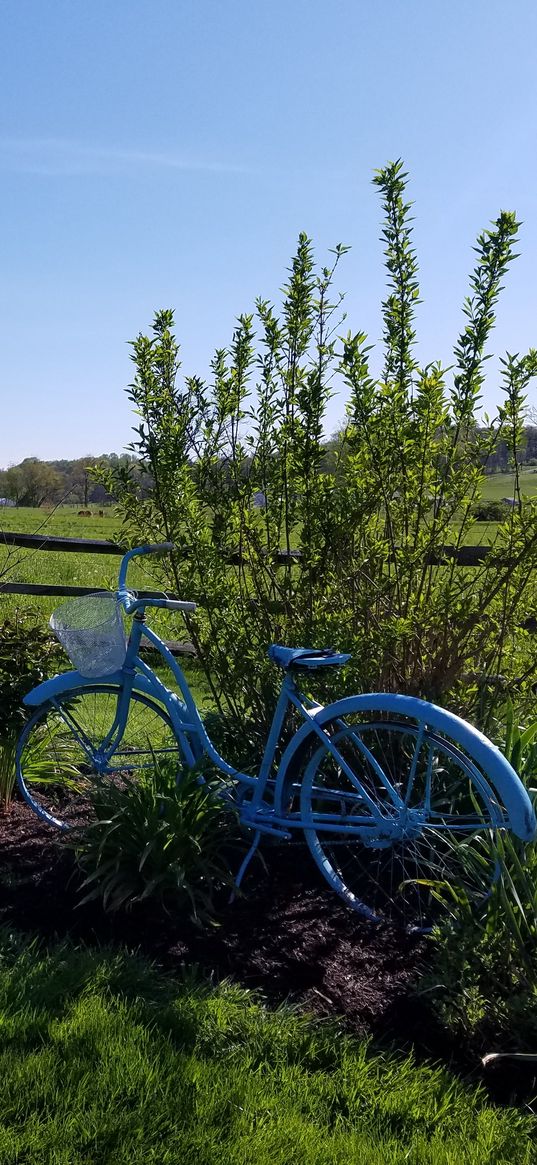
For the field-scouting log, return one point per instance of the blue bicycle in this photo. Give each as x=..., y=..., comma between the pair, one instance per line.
x=392, y=795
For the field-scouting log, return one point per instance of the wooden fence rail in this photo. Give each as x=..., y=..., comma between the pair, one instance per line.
x=66, y=545
x=463, y=556
x=96, y=546
x=48, y=542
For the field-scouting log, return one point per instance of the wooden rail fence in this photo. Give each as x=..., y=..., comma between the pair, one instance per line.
x=463, y=556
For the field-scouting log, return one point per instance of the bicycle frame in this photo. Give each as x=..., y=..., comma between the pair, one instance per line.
x=187, y=723
x=259, y=813
x=266, y=816
x=263, y=816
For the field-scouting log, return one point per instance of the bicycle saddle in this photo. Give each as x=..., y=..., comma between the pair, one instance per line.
x=288, y=657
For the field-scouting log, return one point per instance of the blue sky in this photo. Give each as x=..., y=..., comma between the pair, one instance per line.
x=166, y=153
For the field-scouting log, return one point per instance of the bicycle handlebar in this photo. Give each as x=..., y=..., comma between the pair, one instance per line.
x=156, y=548
x=176, y=604
x=130, y=602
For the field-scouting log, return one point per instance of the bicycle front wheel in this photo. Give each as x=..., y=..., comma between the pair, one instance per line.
x=400, y=818
x=59, y=751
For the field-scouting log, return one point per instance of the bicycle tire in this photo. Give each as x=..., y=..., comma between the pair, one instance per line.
x=443, y=847
x=54, y=773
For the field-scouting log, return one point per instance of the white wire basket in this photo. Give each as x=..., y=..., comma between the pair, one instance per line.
x=90, y=629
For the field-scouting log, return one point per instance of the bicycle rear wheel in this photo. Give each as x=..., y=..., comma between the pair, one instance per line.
x=402, y=818
x=58, y=755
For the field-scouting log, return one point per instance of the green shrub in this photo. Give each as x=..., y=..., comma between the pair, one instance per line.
x=369, y=516
x=480, y=988
x=28, y=655
x=488, y=511
x=162, y=837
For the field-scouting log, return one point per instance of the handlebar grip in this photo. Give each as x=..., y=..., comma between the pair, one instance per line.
x=177, y=605
x=160, y=548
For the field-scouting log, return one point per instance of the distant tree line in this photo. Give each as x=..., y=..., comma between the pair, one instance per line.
x=37, y=483
x=499, y=461
x=77, y=482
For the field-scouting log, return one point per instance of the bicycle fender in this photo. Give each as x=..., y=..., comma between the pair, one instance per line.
x=68, y=681
x=500, y=773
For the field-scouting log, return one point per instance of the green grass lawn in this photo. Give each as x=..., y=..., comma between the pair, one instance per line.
x=103, y=1060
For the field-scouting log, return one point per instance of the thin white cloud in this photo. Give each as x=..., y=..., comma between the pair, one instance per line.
x=61, y=157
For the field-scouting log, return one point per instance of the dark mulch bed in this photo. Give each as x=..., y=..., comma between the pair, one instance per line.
x=288, y=935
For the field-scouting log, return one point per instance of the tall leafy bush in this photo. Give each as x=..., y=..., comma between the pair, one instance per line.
x=369, y=515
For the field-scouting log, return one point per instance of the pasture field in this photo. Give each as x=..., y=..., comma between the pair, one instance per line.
x=100, y=571
x=60, y=568
x=43, y=566
x=501, y=485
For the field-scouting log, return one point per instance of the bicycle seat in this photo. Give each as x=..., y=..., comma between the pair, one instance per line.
x=288, y=657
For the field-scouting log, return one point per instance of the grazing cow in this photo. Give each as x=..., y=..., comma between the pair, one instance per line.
x=84, y=513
